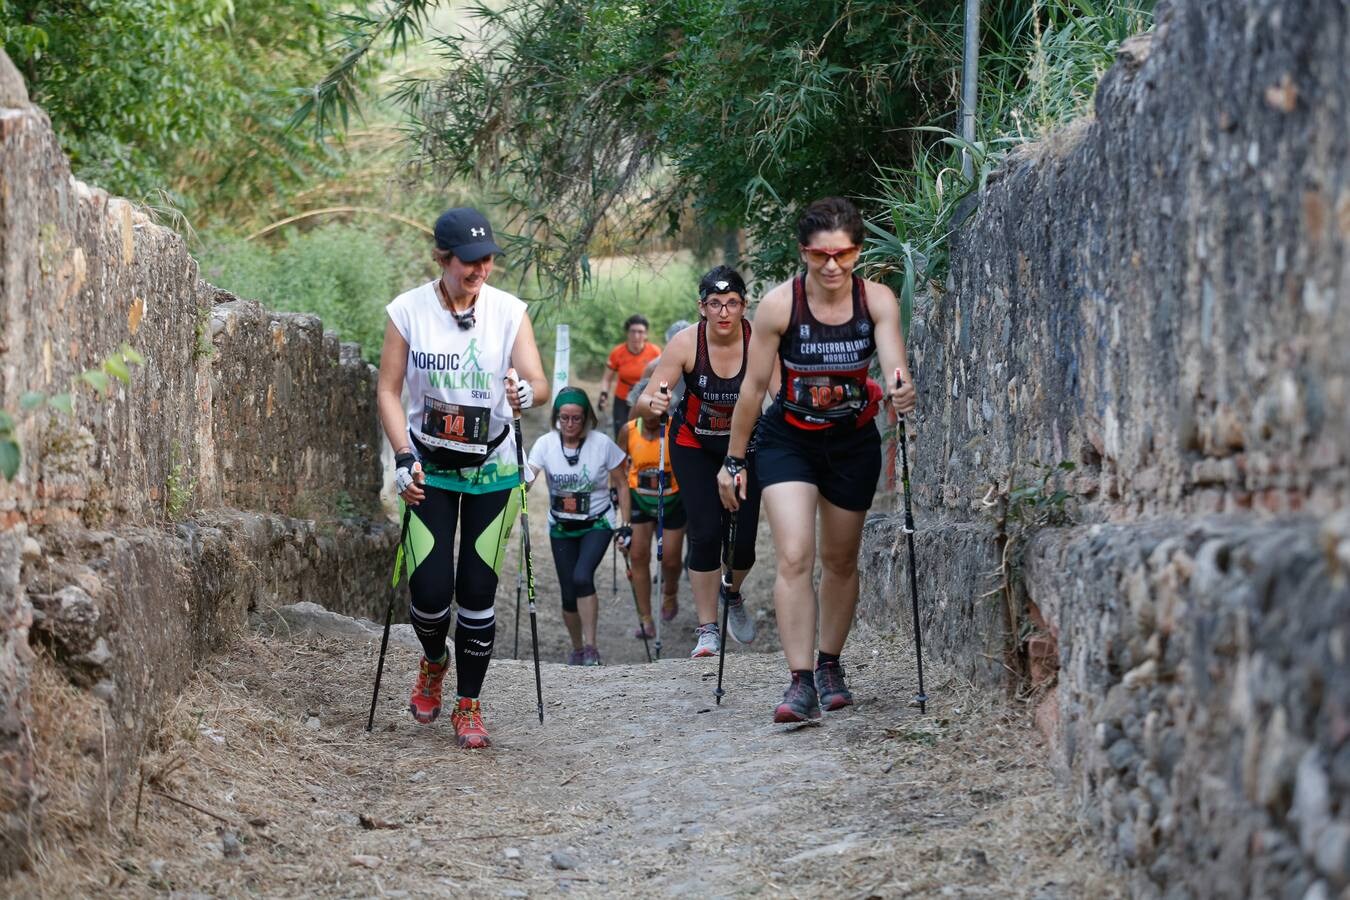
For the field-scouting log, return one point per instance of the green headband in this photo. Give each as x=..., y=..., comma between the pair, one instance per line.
x=572, y=395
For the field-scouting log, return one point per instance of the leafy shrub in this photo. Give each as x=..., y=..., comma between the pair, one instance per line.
x=342, y=273
x=663, y=291
x=1039, y=70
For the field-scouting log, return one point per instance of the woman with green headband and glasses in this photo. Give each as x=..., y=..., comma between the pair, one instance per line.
x=582, y=465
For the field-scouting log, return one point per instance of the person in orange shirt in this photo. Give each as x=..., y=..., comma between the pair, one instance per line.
x=624, y=367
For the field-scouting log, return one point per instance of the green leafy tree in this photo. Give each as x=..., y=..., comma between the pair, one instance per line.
x=596, y=117
x=184, y=103
x=587, y=114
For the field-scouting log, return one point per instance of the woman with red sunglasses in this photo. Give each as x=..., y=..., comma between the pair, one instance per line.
x=818, y=451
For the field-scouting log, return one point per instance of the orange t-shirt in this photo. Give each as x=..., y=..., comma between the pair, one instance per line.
x=630, y=366
x=644, y=454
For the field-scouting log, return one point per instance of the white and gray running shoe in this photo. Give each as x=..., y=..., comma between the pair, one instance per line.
x=709, y=641
x=739, y=623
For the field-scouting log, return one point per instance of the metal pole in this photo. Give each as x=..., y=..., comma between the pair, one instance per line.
x=970, y=67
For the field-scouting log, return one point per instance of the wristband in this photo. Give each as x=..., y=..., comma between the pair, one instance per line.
x=734, y=465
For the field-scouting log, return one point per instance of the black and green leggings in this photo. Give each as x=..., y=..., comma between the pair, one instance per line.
x=435, y=581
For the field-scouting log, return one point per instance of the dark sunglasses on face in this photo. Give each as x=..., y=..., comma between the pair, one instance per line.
x=844, y=256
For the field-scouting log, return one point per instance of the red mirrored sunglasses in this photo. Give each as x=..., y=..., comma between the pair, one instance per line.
x=844, y=256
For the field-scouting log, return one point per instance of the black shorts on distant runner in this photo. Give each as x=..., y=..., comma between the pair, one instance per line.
x=844, y=465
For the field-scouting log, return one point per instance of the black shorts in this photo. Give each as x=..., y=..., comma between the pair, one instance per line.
x=845, y=466
x=697, y=471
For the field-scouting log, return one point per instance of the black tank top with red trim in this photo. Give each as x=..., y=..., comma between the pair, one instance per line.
x=824, y=367
x=705, y=411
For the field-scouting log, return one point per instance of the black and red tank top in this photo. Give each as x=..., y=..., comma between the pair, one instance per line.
x=824, y=367
x=709, y=399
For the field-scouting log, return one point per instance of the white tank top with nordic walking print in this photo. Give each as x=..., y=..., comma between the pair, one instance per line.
x=458, y=417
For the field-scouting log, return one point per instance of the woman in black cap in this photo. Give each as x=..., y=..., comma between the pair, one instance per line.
x=451, y=342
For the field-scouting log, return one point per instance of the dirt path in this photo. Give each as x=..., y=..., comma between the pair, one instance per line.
x=636, y=784
x=265, y=781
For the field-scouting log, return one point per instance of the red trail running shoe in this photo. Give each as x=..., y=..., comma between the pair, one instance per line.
x=468, y=721
x=425, y=703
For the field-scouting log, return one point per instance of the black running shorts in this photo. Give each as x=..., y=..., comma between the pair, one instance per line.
x=844, y=466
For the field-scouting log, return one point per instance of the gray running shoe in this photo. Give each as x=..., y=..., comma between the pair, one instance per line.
x=576, y=658
x=800, y=703
x=739, y=623
x=590, y=656
x=833, y=690
x=709, y=641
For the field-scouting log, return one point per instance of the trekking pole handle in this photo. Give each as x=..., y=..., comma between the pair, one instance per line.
x=511, y=379
x=665, y=392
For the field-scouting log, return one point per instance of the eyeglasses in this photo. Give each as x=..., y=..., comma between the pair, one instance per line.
x=844, y=256
x=730, y=306
x=571, y=419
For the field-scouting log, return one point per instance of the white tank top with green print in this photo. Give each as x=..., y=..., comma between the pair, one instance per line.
x=455, y=381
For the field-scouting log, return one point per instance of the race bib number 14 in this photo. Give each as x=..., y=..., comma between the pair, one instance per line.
x=455, y=426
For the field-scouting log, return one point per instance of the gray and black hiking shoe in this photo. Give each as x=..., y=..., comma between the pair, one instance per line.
x=832, y=688
x=799, y=701
x=739, y=623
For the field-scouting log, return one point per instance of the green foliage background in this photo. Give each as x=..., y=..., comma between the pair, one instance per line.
x=664, y=292
x=607, y=117
x=345, y=274
x=180, y=104
x=584, y=126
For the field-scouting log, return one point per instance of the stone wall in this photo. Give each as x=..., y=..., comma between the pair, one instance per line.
x=238, y=467
x=1158, y=296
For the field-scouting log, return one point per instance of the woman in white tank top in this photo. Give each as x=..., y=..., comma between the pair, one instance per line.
x=450, y=342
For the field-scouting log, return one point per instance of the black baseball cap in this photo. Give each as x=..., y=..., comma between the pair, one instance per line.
x=465, y=232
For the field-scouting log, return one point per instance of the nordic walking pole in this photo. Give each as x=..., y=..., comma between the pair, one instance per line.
x=921, y=697
x=516, y=653
x=614, y=500
x=728, y=556
x=645, y=644
x=661, y=524
x=389, y=614
x=525, y=539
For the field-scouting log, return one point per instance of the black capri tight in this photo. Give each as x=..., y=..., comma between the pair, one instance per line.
x=696, y=472
x=576, y=559
x=483, y=522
